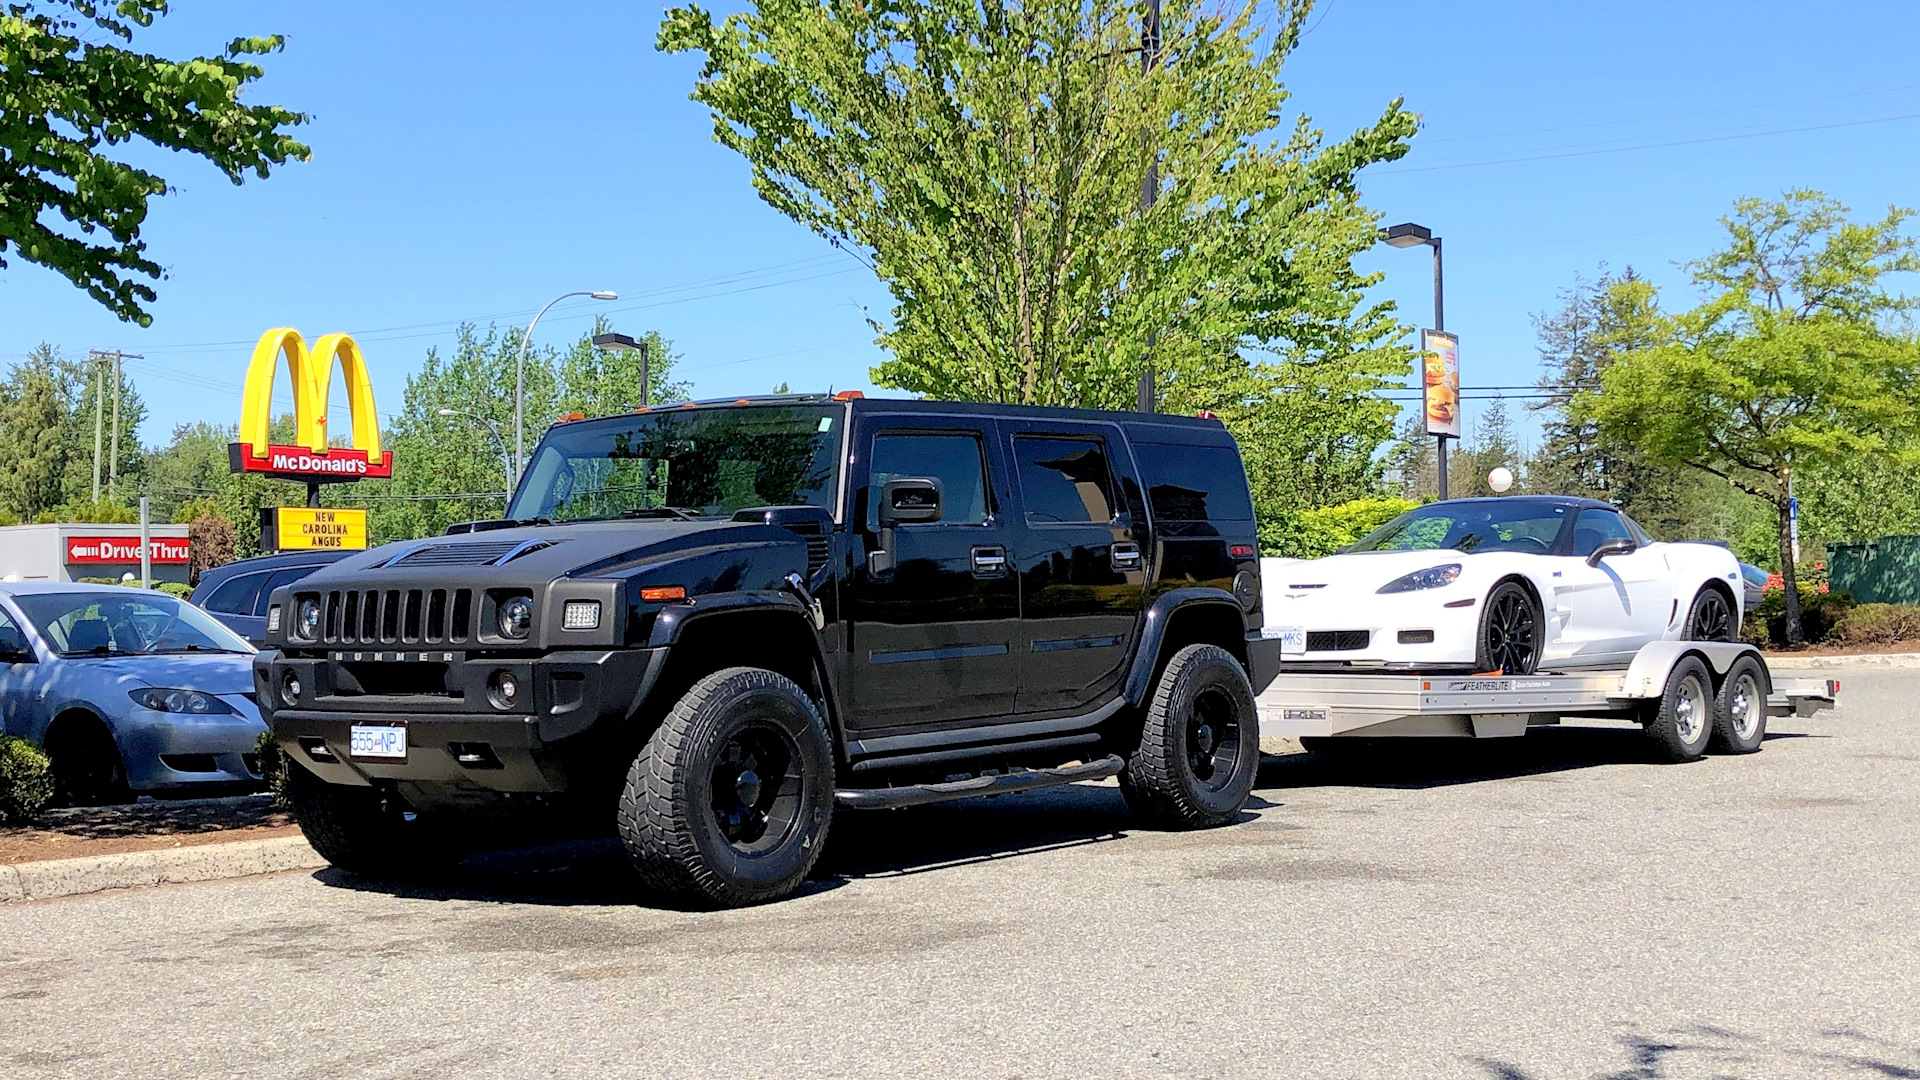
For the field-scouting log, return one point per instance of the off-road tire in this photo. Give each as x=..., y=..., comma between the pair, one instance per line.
x=362, y=831
x=1740, y=718
x=1711, y=617
x=1680, y=724
x=1508, y=599
x=670, y=818
x=87, y=767
x=1201, y=688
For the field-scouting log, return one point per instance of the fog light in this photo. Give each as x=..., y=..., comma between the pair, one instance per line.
x=503, y=689
x=290, y=688
x=581, y=615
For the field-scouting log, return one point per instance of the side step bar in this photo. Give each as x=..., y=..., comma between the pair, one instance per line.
x=1022, y=780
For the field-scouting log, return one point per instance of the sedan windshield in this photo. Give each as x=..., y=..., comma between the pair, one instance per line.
x=1495, y=525
x=692, y=462
x=134, y=624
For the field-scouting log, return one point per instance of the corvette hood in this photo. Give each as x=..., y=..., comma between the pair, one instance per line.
x=1356, y=572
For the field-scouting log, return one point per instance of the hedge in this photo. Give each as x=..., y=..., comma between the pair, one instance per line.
x=26, y=781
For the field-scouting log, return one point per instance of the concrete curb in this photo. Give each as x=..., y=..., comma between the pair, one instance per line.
x=160, y=866
x=1803, y=662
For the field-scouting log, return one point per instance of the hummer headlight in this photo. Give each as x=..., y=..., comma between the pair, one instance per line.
x=306, y=622
x=516, y=617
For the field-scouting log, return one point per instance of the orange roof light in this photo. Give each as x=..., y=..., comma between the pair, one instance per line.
x=689, y=405
x=642, y=408
x=849, y=395
x=568, y=418
x=658, y=593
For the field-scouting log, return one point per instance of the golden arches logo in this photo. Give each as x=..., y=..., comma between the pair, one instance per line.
x=311, y=459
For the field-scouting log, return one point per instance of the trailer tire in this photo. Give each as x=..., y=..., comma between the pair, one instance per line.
x=1740, y=715
x=1681, y=722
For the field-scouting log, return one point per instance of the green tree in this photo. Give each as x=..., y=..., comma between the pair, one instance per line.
x=66, y=95
x=989, y=162
x=1792, y=362
x=35, y=420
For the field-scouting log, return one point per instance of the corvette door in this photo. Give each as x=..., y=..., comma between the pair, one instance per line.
x=1613, y=608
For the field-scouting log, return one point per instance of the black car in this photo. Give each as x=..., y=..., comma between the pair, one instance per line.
x=705, y=626
x=236, y=594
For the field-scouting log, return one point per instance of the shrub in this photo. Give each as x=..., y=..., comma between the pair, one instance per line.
x=174, y=588
x=1878, y=624
x=26, y=781
x=273, y=769
x=1819, y=612
x=1311, y=534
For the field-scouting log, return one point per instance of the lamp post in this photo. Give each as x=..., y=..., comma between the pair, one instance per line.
x=519, y=379
x=1408, y=235
x=506, y=463
x=1149, y=189
x=623, y=343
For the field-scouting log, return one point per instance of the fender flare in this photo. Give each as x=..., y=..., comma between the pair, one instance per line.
x=1153, y=633
x=672, y=622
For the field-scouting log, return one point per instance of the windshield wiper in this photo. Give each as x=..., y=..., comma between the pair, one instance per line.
x=101, y=650
x=680, y=512
x=195, y=649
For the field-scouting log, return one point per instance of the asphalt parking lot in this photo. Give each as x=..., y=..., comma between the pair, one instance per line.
x=1542, y=909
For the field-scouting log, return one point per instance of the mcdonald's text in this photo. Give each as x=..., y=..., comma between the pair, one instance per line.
x=302, y=463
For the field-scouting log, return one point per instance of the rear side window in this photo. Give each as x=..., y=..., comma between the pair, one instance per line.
x=279, y=578
x=1194, y=483
x=956, y=460
x=237, y=597
x=1064, y=480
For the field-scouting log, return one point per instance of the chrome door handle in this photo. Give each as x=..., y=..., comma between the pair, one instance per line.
x=989, y=561
x=1125, y=557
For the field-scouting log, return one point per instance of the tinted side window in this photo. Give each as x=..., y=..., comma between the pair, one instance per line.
x=279, y=578
x=1064, y=480
x=1594, y=527
x=237, y=597
x=1194, y=483
x=957, y=461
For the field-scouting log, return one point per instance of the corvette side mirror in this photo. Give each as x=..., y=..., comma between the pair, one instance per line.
x=1619, y=545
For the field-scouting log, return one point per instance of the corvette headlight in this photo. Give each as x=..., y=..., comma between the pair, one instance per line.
x=1430, y=578
x=161, y=699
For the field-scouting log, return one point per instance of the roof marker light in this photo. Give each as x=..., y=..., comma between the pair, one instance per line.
x=849, y=395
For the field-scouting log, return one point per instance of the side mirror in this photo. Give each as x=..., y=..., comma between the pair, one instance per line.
x=14, y=648
x=1619, y=545
x=909, y=500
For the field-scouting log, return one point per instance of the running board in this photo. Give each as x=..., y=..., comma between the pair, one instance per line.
x=1004, y=784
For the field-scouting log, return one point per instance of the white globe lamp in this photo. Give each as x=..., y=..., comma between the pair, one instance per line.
x=1500, y=479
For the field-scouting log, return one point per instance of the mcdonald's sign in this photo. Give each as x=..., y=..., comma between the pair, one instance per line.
x=311, y=459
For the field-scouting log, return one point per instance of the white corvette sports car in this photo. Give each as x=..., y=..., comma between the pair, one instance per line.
x=1516, y=584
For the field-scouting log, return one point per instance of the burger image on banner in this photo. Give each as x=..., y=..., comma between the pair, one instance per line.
x=1442, y=382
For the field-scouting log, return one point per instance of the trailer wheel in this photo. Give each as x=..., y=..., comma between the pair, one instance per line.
x=1682, y=721
x=1740, y=720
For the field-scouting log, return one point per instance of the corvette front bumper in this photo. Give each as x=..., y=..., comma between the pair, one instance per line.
x=1413, y=630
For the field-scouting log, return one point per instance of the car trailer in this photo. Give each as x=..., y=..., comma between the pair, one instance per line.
x=1687, y=694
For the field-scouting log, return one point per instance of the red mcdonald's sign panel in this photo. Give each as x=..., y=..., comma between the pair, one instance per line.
x=124, y=549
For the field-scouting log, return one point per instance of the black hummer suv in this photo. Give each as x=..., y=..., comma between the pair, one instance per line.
x=712, y=623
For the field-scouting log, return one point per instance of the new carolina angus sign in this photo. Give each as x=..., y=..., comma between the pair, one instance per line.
x=311, y=372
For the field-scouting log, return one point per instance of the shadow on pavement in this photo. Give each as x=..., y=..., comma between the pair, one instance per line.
x=1718, y=1051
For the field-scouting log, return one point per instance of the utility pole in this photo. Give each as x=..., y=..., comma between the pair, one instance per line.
x=102, y=357
x=99, y=412
x=1150, y=183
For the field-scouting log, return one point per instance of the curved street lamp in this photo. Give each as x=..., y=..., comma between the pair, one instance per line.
x=506, y=463
x=520, y=380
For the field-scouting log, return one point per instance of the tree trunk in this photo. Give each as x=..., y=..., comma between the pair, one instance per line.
x=1795, y=635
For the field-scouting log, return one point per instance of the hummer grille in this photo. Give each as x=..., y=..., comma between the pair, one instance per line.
x=397, y=616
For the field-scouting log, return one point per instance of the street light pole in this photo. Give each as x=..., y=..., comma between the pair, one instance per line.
x=1411, y=235
x=626, y=343
x=520, y=380
x=1149, y=187
x=506, y=463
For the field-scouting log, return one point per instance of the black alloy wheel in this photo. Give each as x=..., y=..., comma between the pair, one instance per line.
x=1510, y=632
x=1213, y=739
x=756, y=788
x=1711, y=618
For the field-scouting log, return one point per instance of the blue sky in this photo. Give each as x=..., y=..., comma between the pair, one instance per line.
x=471, y=162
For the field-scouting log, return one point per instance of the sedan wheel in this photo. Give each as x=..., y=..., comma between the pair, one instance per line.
x=1510, y=631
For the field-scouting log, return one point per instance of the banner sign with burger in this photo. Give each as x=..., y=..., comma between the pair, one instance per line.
x=1442, y=363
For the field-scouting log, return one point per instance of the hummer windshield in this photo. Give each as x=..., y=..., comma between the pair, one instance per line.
x=685, y=462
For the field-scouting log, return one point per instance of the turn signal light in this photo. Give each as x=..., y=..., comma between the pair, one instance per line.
x=659, y=593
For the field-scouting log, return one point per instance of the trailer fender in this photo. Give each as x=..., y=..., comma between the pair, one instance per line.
x=1647, y=675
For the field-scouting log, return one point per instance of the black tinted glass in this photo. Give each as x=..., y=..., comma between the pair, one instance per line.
x=1471, y=525
x=1595, y=527
x=1064, y=480
x=1194, y=483
x=954, y=460
x=236, y=597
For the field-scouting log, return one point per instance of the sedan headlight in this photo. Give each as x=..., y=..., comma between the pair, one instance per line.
x=306, y=623
x=161, y=699
x=516, y=617
x=1430, y=578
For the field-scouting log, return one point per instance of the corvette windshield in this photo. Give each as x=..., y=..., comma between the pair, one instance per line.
x=1498, y=525
x=685, y=462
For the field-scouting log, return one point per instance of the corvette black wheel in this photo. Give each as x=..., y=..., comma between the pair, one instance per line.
x=1510, y=631
x=1711, y=617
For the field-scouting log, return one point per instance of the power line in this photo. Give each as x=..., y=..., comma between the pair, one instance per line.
x=1650, y=146
x=1670, y=116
